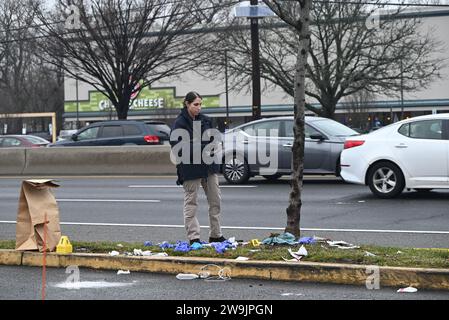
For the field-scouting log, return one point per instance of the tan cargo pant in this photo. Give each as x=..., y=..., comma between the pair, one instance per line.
x=213, y=194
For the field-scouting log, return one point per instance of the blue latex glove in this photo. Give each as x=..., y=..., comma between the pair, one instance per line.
x=182, y=246
x=165, y=245
x=196, y=246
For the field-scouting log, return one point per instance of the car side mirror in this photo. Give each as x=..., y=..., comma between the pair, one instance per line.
x=317, y=137
x=74, y=137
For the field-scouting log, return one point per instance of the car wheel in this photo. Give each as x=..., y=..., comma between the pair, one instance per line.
x=273, y=177
x=386, y=180
x=236, y=170
x=422, y=190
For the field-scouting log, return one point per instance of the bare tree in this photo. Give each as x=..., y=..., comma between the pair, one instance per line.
x=115, y=44
x=346, y=54
x=357, y=108
x=297, y=15
x=27, y=84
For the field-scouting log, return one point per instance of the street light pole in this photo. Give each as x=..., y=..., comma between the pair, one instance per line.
x=226, y=89
x=77, y=106
x=255, y=64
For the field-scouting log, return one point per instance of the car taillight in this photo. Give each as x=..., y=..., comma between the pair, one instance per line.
x=151, y=139
x=353, y=143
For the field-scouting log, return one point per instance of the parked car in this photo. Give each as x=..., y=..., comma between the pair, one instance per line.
x=324, y=140
x=66, y=134
x=410, y=154
x=118, y=133
x=22, y=141
x=43, y=134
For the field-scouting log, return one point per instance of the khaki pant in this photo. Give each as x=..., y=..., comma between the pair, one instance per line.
x=213, y=194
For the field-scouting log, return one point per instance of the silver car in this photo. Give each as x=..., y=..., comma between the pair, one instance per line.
x=324, y=141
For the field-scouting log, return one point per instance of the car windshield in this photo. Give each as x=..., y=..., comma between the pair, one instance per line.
x=36, y=140
x=334, y=128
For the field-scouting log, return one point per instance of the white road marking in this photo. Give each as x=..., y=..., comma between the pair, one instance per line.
x=107, y=200
x=242, y=228
x=171, y=186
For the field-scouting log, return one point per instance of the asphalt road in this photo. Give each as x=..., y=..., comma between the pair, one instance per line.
x=150, y=208
x=107, y=285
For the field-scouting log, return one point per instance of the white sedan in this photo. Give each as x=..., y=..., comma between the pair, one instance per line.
x=412, y=154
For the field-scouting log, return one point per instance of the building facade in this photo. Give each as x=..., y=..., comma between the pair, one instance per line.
x=163, y=100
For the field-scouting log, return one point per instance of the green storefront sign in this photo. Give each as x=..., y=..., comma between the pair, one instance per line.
x=147, y=99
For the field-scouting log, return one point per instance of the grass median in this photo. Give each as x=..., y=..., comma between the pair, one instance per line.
x=318, y=252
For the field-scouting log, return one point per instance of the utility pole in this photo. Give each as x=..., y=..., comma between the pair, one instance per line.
x=402, y=93
x=255, y=64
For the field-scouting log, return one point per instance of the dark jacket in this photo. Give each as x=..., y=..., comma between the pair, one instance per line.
x=190, y=171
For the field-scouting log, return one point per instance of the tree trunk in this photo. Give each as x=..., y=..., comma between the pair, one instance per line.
x=122, y=108
x=295, y=202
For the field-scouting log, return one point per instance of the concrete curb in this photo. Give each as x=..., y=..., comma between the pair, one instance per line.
x=436, y=279
x=120, y=160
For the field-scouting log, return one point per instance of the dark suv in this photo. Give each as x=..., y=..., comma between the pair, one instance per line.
x=118, y=133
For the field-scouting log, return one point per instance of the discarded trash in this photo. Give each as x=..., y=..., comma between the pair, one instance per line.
x=223, y=274
x=369, y=254
x=242, y=259
x=292, y=260
x=307, y=240
x=148, y=244
x=182, y=246
x=361, y=201
x=232, y=239
x=123, y=272
x=64, y=246
x=319, y=239
x=120, y=245
x=399, y=252
x=166, y=245
x=147, y=253
x=160, y=254
x=407, y=290
x=186, y=276
x=285, y=238
x=342, y=245
x=220, y=247
x=297, y=256
x=196, y=246
x=302, y=251
x=255, y=250
x=254, y=242
x=137, y=252
x=114, y=253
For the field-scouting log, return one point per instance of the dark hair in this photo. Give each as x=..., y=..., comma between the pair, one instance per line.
x=190, y=97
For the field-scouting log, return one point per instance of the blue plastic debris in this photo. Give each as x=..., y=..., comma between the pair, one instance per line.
x=147, y=243
x=166, y=245
x=182, y=246
x=196, y=246
x=306, y=240
x=285, y=238
x=221, y=247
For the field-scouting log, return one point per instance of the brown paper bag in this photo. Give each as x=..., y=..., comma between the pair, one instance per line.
x=36, y=200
